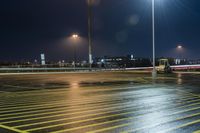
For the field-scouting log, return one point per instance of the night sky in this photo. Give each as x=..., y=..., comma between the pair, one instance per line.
x=121, y=27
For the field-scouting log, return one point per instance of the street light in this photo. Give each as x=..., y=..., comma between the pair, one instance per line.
x=75, y=37
x=154, y=73
x=179, y=47
x=90, y=32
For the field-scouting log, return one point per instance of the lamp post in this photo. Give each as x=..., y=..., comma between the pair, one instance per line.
x=90, y=32
x=154, y=73
x=75, y=37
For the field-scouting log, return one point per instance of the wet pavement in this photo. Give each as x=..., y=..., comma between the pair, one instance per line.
x=100, y=102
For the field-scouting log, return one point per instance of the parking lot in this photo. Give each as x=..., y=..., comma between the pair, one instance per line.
x=100, y=102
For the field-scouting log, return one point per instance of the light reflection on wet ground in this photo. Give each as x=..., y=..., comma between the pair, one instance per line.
x=100, y=102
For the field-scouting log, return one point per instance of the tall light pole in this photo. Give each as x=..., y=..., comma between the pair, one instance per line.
x=90, y=32
x=154, y=73
x=75, y=37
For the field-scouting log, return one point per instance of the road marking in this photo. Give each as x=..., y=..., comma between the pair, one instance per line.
x=99, y=96
x=109, y=107
x=46, y=113
x=196, y=95
x=97, y=118
x=38, y=123
x=79, y=121
x=85, y=99
x=182, y=126
x=142, y=128
x=55, y=108
x=33, y=101
x=55, y=116
x=92, y=125
x=91, y=106
x=168, y=130
x=12, y=129
x=49, y=91
x=88, y=108
x=112, y=107
x=90, y=101
x=121, y=125
x=65, y=102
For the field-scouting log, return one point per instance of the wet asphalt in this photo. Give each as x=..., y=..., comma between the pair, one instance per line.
x=102, y=102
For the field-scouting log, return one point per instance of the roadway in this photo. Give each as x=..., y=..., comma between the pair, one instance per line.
x=100, y=102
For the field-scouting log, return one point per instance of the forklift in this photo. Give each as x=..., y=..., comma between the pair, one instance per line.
x=164, y=66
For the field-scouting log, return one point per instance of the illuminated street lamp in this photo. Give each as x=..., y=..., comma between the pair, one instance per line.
x=179, y=47
x=75, y=37
x=154, y=72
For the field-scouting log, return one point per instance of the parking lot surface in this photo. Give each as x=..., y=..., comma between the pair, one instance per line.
x=100, y=102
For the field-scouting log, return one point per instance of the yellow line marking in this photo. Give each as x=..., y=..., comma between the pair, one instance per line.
x=182, y=126
x=135, y=130
x=46, y=113
x=168, y=130
x=67, y=114
x=64, y=102
x=72, y=109
x=142, y=128
x=79, y=121
x=105, y=129
x=83, y=109
x=97, y=124
x=58, y=115
x=86, y=107
x=106, y=96
x=45, y=123
x=49, y=98
x=197, y=131
x=121, y=125
x=154, y=125
x=12, y=129
x=196, y=95
x=31, y=124
x=60, y=103
x=97, y=118
x=49, y=91
x=37, y=93
x=80, y=99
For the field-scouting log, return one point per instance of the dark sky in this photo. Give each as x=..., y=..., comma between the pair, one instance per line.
x=121, y=27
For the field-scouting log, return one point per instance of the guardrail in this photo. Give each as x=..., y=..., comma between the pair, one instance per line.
x=186, y=67
x=65, y=69
x=29, y=69
x=56, y=69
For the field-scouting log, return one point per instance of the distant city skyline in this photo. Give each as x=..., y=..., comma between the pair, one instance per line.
x=29, y=28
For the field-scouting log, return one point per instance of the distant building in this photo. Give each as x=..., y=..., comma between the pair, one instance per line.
x=180, y=61
x=121, y=62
